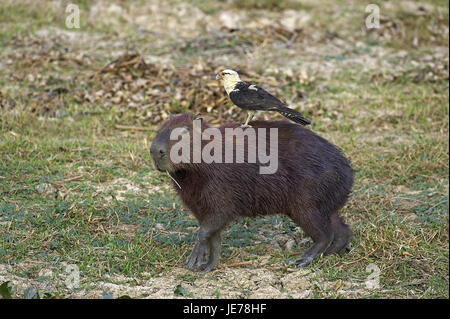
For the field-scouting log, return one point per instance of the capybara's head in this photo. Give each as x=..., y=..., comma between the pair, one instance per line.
x=178, y=126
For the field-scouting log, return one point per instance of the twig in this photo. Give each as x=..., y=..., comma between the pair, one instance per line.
x=59, y=184
x=292, y=39
x=10, y=200
x=173, y=179
x=133, y=128
x=71, y=179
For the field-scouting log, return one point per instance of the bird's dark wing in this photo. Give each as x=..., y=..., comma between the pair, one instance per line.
x=251, y=97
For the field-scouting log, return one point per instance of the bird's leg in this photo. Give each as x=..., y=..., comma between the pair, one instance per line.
x=250, y=116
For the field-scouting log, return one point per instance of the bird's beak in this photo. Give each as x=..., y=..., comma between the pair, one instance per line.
x=218, y=77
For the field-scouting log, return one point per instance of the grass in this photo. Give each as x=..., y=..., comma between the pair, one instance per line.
x=74, y=189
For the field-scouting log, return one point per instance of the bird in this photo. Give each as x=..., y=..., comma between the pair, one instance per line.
x=253, y=98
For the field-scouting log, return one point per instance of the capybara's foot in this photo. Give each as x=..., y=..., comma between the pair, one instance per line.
x=212, y=263
x=342, y=237
x=302, y=261
x=346, y=249
x=315, y=250
x=202, y=258
x=199, y=258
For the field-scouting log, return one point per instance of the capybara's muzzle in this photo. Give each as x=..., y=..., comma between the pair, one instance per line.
x=159, y=151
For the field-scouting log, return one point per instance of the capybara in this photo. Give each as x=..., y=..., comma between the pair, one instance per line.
x=311, y=183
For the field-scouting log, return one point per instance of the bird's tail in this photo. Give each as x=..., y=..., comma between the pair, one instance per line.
x=292, y=115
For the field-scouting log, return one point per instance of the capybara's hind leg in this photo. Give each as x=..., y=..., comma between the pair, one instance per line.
x=342, y=236
x=318, y=227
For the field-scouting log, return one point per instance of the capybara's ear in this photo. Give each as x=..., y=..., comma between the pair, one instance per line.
x=179, y=131
x=197, y=126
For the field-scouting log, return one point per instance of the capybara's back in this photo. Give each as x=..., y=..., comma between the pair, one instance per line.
x=312, y=182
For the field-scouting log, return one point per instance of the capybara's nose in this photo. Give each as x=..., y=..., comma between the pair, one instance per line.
x=157, y=151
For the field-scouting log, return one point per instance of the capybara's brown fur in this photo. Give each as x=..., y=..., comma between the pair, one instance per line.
x=312, y=183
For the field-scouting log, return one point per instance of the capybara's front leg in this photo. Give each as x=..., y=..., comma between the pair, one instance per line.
x=206, y=252
x=214, y=253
